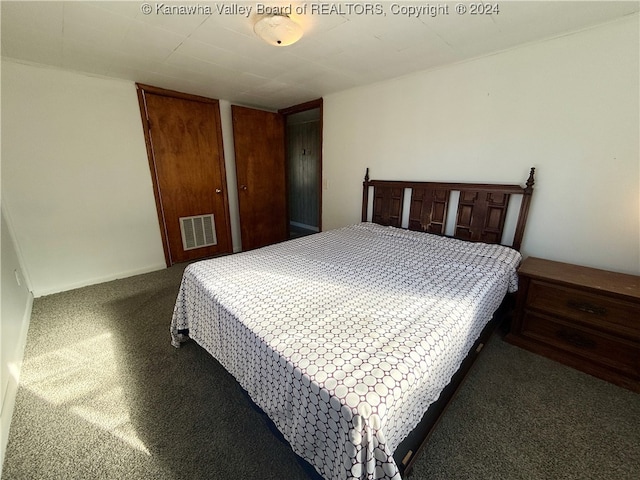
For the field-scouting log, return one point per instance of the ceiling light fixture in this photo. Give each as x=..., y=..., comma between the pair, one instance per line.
x=278, y=30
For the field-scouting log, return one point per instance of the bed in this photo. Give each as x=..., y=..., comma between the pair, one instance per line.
x=352, y=341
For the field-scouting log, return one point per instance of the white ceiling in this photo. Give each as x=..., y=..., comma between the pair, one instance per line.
x=217, y=54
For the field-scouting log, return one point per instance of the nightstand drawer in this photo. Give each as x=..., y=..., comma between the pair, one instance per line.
x=586, y=307
x=621, y=354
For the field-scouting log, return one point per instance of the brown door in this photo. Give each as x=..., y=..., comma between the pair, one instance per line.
x=259, y=144
x=184, y=142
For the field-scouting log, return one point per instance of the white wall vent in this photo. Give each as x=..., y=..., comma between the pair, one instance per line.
x=198, y=231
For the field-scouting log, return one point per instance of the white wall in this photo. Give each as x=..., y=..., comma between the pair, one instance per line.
x=75, y=178
x=16, y=300
x=226, y=122
x=568, y=106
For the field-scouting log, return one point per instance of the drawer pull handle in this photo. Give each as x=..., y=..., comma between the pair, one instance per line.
x=575, y=339
x=587, y=308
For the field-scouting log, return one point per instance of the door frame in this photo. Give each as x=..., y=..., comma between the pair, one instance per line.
x=141, y=89
x=303, y=107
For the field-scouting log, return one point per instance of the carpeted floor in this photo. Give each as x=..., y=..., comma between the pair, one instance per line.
x=103, y=395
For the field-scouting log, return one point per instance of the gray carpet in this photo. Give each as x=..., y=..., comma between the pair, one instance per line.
x=103, y=395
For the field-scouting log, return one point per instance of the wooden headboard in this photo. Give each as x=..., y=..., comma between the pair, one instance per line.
x=481, y=208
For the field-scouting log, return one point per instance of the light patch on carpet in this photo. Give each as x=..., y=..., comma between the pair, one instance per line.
x=84, y=378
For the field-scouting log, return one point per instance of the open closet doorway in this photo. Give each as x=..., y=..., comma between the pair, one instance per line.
x=303, y=134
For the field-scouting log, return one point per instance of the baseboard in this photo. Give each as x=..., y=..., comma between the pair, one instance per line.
x=305, y=226
x=95, y=281
x=9, y=400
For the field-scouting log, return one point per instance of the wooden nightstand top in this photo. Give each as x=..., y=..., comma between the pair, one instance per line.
x=601, y=280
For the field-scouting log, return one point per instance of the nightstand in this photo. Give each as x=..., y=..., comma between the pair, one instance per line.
x=583, y=317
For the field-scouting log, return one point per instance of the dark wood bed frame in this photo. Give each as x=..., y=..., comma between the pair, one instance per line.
x=482, y=207
x=481, y=213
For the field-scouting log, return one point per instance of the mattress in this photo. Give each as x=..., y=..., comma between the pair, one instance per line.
x=344, y=338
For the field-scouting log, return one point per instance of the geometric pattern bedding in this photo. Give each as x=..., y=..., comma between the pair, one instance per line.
x=344, y=338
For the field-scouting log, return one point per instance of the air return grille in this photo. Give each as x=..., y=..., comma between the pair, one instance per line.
x=198, y=231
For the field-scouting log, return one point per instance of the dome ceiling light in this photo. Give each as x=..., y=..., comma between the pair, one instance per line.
x=278, y=30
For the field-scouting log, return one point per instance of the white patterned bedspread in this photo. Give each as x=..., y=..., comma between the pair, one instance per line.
x=344, y=338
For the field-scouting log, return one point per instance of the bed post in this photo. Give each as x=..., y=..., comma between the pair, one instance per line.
x=365, y=195
x=524, y=210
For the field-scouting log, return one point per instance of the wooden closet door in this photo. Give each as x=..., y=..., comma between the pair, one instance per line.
x=184, y=141
x=259, y=144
